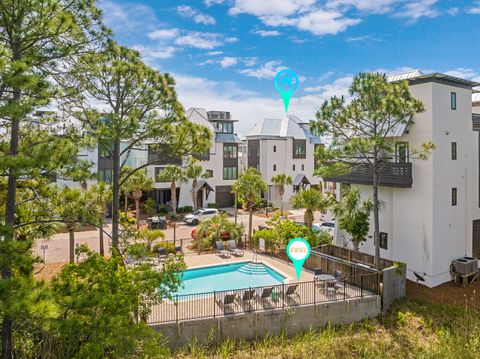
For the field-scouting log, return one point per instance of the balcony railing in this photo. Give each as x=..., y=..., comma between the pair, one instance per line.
x=391, y=175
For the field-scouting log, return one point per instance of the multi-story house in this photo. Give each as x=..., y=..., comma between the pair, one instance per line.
x=430, y=213
x=286, y=146
x=220, y=163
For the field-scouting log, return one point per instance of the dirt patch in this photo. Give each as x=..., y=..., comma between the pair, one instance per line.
x=48, y=270
x=447, y=293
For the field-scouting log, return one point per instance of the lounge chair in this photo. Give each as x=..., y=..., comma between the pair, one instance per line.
x=232, y=246
x=267, y=293
x=227, y=302
x=161, y=252
x=337, y=274
x=291, y=291
x=221, y=249
x=248, y=296
x=178, y=249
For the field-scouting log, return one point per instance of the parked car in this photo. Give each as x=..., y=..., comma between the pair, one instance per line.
x=327, y=226
x=200, y=215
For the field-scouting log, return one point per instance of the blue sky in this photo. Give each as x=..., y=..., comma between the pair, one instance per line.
x=225, y=53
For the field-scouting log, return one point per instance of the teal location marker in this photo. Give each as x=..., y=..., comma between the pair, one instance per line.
x=298, y=250
x=286, y=82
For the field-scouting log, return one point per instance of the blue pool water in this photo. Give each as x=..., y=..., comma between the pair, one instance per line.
x=228, y=277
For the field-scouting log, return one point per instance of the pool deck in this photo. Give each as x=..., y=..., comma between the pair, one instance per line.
x=285, y=269
x=208, y=305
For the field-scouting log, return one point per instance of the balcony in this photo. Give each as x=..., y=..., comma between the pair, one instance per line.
x=392, y=175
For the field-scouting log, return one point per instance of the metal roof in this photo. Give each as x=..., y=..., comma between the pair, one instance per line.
x=299, y=179
x=199, y=117
x=203, y=184
x=417, y=76
x=404, y=76
x=227, y=138
x=289, y=126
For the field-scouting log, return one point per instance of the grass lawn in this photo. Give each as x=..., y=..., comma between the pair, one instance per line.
x=411, y=329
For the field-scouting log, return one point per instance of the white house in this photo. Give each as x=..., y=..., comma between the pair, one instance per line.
x=286, y=146
x=430, y=211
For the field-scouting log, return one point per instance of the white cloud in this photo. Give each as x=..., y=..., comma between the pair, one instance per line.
x=213, y=2
x=214, y=53
x=150, y=53
x=463, y=73
x=475, y=9
x=266, y=71
x=199, y=40
x=197, y=16
x=415, y=10
x=372, y=6
x=127, y=18
x=164, y=34
x=228, y=62
x=267, y=33
x=270, y=7
x=321, y=22
x=362, y=38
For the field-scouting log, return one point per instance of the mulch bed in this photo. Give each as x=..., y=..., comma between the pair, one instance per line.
x=447, y=293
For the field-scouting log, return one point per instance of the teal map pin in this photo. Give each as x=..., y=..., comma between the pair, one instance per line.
x=298, y=250
x=286, y=82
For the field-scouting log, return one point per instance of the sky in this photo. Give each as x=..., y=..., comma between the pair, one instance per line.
x=224, y=54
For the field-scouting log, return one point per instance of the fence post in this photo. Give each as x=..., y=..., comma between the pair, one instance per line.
x=283, y=295
x=176, y=309
x=344, y=289
x=249, y=302
x=361, y=286
x=214, y=296
x=314, y=293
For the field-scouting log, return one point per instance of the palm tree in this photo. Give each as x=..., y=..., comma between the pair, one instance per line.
x=216, y=229
x=175, y=175
x=76, y=207
x=194, y=172
x=353, y=215
x=101, y=193
x=248, y=187
x=148, y=236
x=139, y=183
x=311, y=200
x=281, y=180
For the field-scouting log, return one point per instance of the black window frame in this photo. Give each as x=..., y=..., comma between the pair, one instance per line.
x=453, y=100
x=234, y=175
x=453, y=150
x=293, y=167
x=274, y=168
x=303, y=167
x=383, y=240
x=230, y=151
x=454, y=196
x=274, y=148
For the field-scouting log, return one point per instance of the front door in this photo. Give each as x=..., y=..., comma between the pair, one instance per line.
x=200, y=198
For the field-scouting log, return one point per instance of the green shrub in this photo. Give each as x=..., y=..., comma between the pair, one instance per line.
x=163, y=209
x=148, y=207
x=268, y=235
x=212, y=205
x=187, y=209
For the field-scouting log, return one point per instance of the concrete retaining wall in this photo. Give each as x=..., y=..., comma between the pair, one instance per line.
x=256, y=325
x=394, y=285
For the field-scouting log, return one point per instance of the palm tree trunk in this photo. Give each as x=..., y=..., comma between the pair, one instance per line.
x=102, y=245
x=173, y=190
x=71, y=236
x=137, y=213
x=308, y=218
x=194, y=193
x=126, y=204
x=250, y=217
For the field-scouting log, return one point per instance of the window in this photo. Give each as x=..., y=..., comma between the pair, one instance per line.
x=204, y=156
x=229, y=173
x=229, y=151
x=453, y=100
x=158, y=170
x=383, y=240
x=208, y=174
x=105, y=149
x=274, y=167
x=454, y=196
x=299, y=150
x=454, y=150
x=293, y=167
x=401, y=152
x=105, y=175
x=225, y=127
x=303, y=167
x=274, y=148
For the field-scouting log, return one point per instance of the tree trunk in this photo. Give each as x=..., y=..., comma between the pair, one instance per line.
x=116, y=197
x=126, y=204
x=194, y=193
x=7, y=324
x=100, y=234
x=308, y=218
x=137, y=212
x=282, y=193
x=71, y=237
x=173, y=190
x=250, y=217
x=376, y=223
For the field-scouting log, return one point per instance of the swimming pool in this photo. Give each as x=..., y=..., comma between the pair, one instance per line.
x=228, y=277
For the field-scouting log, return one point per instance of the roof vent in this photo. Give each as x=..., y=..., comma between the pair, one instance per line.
x=404, y=76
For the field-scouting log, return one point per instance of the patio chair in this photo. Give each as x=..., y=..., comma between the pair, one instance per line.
x=232, y=246
x=161, y=253
x=266, y=293
x=178, y=249
x=337, y=274
x=221, y=249
x=227, y=302
x=292, y=291
x=317, y=272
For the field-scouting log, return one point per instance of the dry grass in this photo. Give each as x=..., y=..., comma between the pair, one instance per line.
x=412, y=329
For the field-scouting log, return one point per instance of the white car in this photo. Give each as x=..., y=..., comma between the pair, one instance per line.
x=200, y=215
x=327, y=226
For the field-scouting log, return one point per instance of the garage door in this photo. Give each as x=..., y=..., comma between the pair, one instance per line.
x=224, y=197
x=476, y=239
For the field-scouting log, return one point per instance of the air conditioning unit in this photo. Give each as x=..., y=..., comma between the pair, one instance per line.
x=473, y=263
x=462, y=266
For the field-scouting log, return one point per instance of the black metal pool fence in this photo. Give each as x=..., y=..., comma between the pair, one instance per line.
x=273, y=297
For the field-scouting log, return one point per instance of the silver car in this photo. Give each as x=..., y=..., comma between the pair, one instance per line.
x=200, y=215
